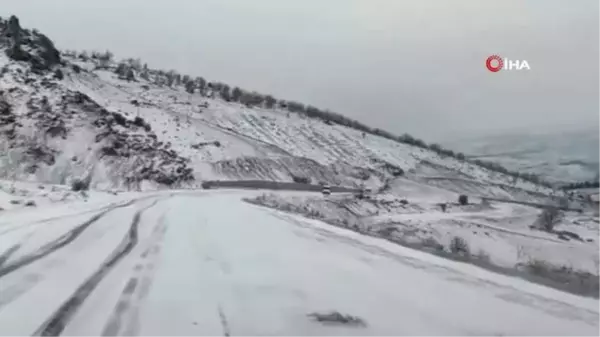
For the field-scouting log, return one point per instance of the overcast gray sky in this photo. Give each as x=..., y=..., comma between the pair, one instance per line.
x=414, y=66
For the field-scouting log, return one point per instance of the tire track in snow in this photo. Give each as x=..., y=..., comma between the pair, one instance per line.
x=11, y=290
x=4, y=257
x=46, y=220
x=59, y=320
x=137, y=287
x=55, y=245
x=10, y=251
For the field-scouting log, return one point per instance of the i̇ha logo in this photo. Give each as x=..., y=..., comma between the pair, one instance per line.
x=496, y=63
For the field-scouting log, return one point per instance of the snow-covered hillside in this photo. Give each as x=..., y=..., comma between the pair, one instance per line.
x=135, y=129
x=273, y=144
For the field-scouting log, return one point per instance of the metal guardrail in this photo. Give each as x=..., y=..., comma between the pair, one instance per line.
x=532, y=204
x=273, y=185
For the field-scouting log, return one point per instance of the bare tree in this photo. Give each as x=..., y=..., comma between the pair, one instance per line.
x=190, y=86
x=270, y=102
x=225, y=92
x=236, y=94
x=135, y=63
x=121, y=69
x=201, y=84
x=171, y=78
x=130, y=76
x=104, y=59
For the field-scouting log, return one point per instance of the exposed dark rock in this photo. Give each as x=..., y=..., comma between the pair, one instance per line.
x=29, y=46
x=80, y=184
x=335, y=317
x=567, y=235
x=41, y=153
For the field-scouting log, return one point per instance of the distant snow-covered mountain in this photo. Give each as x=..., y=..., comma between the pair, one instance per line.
x=567, y=156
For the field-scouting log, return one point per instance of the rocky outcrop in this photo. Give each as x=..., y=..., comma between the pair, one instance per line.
x=53, y=114
x=27, y=45
x=121, y=137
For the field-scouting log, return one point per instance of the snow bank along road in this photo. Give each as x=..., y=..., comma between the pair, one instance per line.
x=206, y=263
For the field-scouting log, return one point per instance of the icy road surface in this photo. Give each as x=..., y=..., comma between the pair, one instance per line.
x=206, y=263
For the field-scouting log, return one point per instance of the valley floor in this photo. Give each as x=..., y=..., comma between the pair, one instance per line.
x=207, y=263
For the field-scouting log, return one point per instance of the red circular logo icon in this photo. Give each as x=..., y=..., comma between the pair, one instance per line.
x=489, y=63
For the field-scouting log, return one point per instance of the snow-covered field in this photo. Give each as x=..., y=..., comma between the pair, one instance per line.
x=206, y=263
x=501, y=232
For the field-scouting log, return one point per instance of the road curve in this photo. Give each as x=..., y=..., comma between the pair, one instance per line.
x=211, y=264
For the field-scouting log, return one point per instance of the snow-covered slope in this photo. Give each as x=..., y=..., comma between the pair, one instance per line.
x=92, y=122
x=53, y=133
x=227, y=140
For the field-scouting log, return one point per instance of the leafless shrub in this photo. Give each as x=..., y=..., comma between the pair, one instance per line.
x=387, y=232
x=522, y=253
x=83, y=184
x=313, y=213
x=483, y=256
x=576, y=281
x=548, y=218
x=79, y=185
x=433, y=243
x=459, y=246
x=538, y=267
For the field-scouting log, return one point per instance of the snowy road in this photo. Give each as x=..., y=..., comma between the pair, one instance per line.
x=209, y=264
